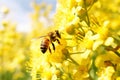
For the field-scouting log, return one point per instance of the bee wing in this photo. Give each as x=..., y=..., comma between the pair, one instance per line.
x=38, y=37
x=41, y=37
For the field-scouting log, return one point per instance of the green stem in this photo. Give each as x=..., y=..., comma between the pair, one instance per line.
x=88, y=20
x=73, y=61
x=76, y=53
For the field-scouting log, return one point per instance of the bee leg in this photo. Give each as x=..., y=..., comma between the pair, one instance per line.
x=49, y=50
x=58, y=41
x=53, y=46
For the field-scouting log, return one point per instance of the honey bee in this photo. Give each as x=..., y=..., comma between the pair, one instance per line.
x=49, y=39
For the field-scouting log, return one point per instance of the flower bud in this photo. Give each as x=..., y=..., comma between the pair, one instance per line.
x=5, y=10
x=70, y=29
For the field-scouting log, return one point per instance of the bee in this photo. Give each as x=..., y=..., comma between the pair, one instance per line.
x=49, y=39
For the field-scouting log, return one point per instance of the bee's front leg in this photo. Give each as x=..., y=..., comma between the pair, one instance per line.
x=49, y=50
x=58, y=41
x=53, y=45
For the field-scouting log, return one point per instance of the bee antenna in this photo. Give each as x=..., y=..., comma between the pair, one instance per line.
x=57, y=33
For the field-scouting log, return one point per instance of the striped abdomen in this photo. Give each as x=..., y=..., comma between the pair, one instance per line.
x=44, y=45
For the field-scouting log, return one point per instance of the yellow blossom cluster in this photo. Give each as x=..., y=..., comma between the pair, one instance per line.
x=13, y=48
x=89, y=46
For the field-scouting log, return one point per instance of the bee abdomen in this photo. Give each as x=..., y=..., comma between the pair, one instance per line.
x=44, y=45
x=43, y=49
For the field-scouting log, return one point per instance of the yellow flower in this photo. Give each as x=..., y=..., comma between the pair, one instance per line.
x=118, y=78
x=107, y=73
x=81, y=12
x=5, y=10
x=88, y=42
x=70, y=29
x=81, y=73
x=57, y=55
x=5, y=23
x=109, y=56
x=104, y=30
